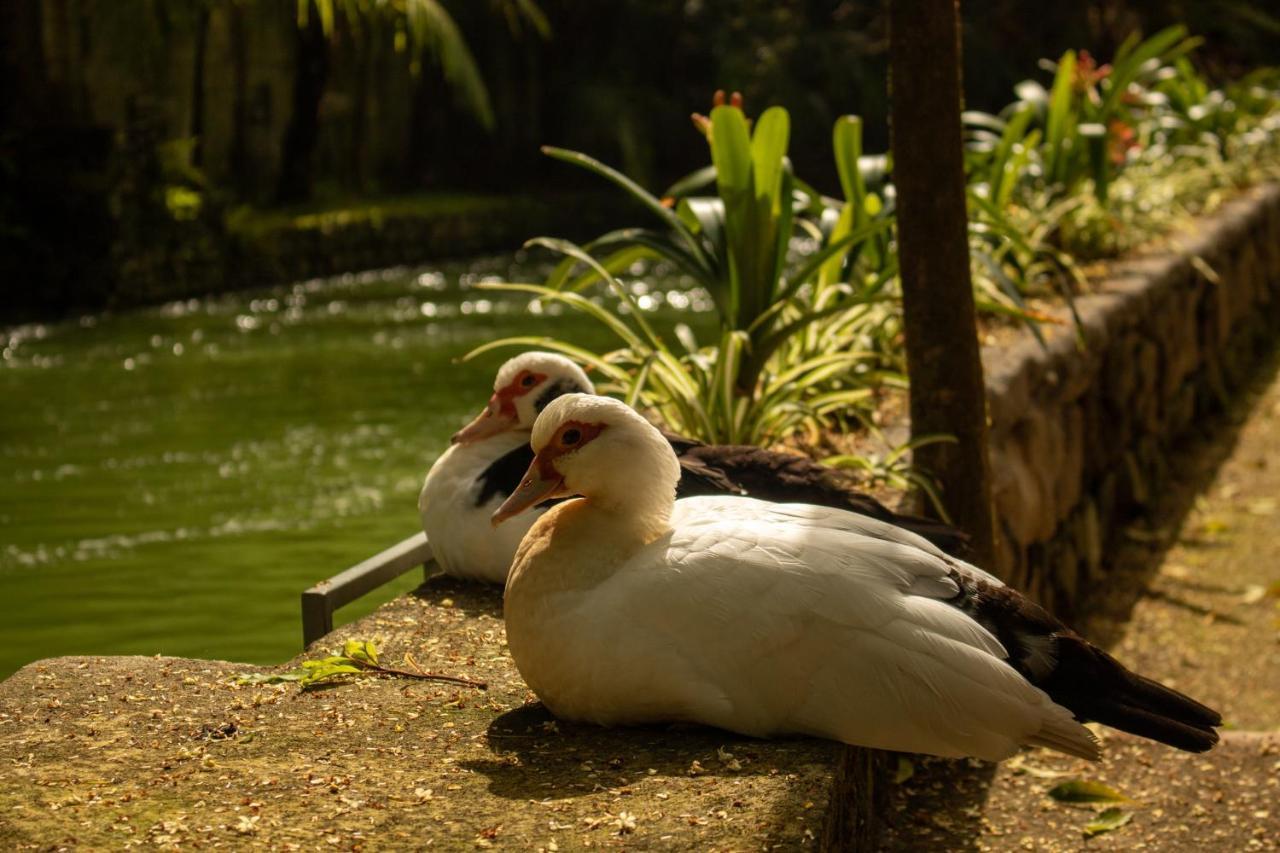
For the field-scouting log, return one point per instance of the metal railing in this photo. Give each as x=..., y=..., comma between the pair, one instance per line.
x=319, y=602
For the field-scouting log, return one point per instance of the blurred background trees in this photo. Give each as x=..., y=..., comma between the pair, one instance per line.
x=290, y=101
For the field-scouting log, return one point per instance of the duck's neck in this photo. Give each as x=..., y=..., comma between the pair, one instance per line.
x=607, y=527
x=629, y=519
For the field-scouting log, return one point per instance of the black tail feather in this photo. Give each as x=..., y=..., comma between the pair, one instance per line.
x=1096, y=687
x=1154, y=726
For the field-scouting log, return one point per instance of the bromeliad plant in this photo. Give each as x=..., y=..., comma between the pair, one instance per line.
x=1106, y=157
x=772, y=371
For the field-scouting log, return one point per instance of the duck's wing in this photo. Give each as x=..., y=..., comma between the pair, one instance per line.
x=1074, y=673
x=805, y=627
x=502, y=477
x=829, y=517
x=791, y=478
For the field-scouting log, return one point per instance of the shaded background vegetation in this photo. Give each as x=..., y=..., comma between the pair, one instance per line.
x=133, y=129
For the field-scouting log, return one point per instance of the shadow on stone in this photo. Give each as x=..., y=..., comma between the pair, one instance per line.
x=941, y=806
x=1196, y=460
x=471, y=597
x=536, y=756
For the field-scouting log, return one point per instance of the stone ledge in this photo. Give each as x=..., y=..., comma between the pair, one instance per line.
x=103, y=751
x=1081, y=436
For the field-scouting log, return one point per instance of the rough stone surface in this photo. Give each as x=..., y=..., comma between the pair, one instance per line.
x=1224, y=802
x=1163, y=345
x=101, y=752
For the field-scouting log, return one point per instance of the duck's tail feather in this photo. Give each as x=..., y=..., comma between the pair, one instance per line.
x=1095, y=686
x=1069, y=737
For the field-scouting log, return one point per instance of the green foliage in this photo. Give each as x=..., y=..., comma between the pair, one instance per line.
x=427, y=30
x=805, y=286
x=1111, y=156
x=893, y=468
x=780, y=363
x=358, y=658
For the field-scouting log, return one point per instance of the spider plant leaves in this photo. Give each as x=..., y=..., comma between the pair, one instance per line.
x=814, y=263
x=693, y=182
x=1134, y=56
x=578, y=354
x=573, y=250
x=664, y=245
x=637, y=192
x=615, y=263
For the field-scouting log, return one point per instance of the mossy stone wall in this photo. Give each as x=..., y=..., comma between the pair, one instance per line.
x=1083, y=433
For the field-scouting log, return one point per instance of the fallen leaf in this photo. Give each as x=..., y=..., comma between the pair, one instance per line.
x=1018, y=764
x=905, y=770
x=1086, y=791
x=1253, y=594
x=1263, y=506
x=1106, y=822
x=1215, y=526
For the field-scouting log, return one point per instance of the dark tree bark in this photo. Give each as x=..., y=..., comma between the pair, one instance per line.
x=943, y=359
x=303, y=130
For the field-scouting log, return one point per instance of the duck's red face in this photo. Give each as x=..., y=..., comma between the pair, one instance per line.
x=501, y=413
x=544, y=481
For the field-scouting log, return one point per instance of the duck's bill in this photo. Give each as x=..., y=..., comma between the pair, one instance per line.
x=535, y=488
x=488, y=423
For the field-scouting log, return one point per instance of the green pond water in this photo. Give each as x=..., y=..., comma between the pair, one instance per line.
x=172, y=478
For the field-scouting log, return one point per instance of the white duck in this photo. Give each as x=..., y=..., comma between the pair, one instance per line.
x=625, y=607
x=475, y=475
x=490, y=455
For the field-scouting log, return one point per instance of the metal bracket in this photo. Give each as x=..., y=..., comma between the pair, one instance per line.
x=319, y=602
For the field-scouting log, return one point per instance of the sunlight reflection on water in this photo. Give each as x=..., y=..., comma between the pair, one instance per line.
x=177, y=475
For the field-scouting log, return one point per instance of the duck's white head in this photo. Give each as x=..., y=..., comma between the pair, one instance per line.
x=602, y=449
x=525, y=385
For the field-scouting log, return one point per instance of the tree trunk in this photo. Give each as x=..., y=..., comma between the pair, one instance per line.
x=943, y=359
x=303, y=130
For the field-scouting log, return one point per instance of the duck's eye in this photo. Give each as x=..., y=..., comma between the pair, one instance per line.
x=527, y=381
x=570, y=437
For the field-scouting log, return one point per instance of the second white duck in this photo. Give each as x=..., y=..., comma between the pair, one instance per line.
x=490, y=455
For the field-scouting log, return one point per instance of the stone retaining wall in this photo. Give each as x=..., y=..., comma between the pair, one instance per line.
x=1083, y=434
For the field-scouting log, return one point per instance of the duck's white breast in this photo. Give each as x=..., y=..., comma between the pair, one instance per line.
x=463, y=540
